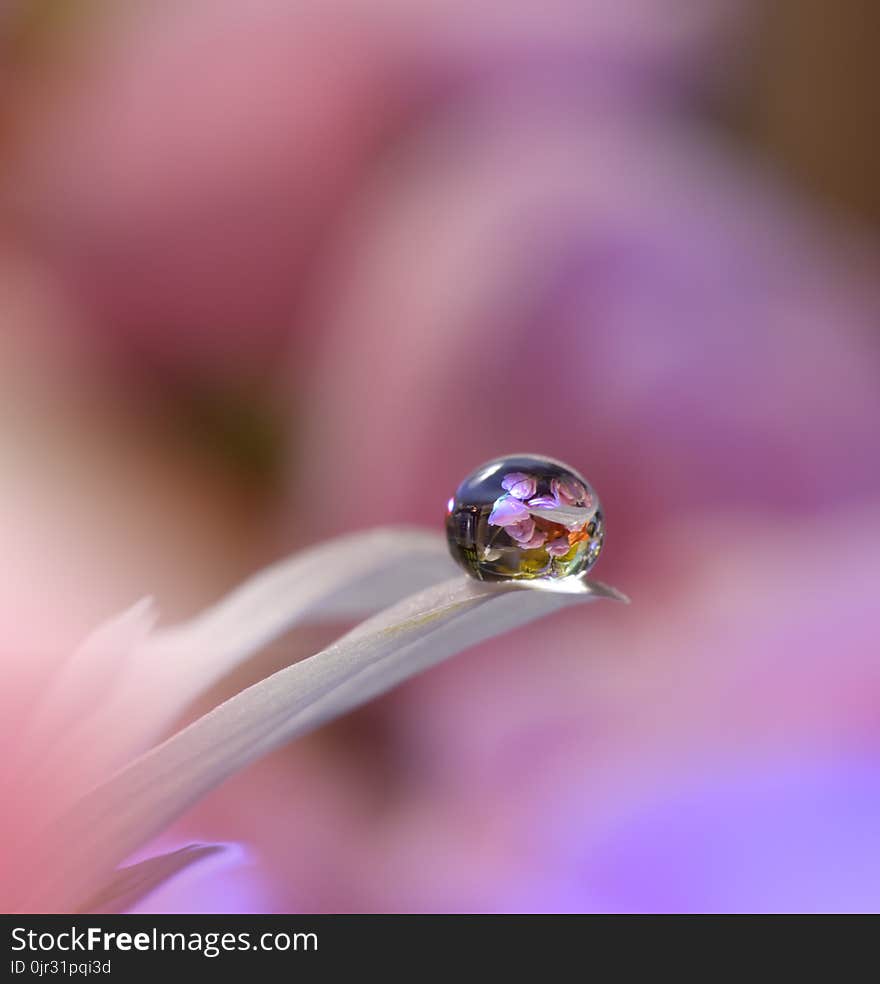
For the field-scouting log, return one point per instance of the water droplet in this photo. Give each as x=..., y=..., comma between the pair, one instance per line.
x=525, y=517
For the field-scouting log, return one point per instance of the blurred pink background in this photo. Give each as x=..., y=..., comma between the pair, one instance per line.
x=255, y=257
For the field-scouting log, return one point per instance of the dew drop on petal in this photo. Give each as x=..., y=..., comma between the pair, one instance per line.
x=496, y=536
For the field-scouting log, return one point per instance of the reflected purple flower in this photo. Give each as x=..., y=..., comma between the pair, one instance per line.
x=517, y=518
x=519, y=485
x=513, y=516
x=508, y=512
x=537, y=539
x=558, y=547
x=569, y=491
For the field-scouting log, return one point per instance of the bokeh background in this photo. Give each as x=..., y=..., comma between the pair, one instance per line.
x=275, y=271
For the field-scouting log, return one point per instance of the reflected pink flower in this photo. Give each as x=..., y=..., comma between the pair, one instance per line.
x=521, y=532
x=537, y=539
x=527, y=536
x=558, y=547
x=519, y=485
x=514, y=516
x=569, y=491
x=509, y=512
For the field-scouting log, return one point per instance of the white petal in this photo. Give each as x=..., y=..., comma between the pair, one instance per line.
x=113, y=820
x=571, y=517
x=155, y=681
x=85, y=680
x=134, y=882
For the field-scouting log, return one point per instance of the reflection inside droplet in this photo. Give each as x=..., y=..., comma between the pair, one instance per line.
x=525, y=517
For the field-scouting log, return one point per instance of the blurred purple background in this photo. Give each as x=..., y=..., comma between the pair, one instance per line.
x=257, y=258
